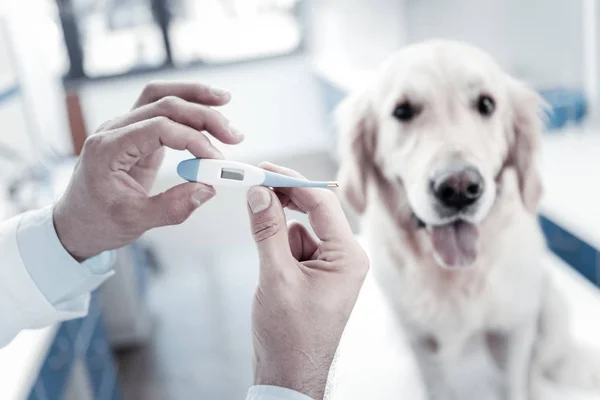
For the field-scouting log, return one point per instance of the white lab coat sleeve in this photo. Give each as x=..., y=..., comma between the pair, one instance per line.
x=32, y=254
x=266, y=392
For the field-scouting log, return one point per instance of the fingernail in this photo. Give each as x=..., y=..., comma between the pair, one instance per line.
x=219, y=92
x=201, y=196
x=235, y=131
x=259, y=199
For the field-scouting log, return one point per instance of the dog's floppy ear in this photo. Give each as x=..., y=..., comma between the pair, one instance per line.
x=356, y=128
x=527, y=124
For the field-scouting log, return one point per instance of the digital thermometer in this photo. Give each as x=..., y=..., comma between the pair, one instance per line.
x=231, y=173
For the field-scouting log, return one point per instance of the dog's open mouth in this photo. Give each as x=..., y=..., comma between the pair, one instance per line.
x=454, y=243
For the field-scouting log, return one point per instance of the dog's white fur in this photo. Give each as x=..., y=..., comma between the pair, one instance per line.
x=492, y=329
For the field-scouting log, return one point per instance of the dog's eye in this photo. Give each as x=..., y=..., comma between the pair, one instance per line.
x=405, y=112
x=485, y=105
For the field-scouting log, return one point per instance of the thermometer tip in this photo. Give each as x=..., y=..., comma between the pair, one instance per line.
x=332, y=184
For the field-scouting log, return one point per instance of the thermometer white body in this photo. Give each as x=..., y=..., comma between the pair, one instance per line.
x=232, y=173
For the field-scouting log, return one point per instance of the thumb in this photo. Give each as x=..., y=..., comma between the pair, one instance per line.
x=176, y=204
x=269, y=228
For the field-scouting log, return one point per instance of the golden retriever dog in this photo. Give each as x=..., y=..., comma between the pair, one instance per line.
x=439, y=159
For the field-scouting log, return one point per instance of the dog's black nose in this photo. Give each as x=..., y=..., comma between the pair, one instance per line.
x=458, y=189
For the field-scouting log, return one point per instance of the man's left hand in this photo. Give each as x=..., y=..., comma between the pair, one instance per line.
x=107, y=204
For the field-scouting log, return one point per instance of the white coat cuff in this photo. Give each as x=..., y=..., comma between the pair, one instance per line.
x=58, y=276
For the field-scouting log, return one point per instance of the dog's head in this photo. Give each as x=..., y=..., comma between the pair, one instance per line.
x=436, y=129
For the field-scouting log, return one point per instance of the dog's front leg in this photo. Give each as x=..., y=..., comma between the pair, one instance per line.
x=519, y=350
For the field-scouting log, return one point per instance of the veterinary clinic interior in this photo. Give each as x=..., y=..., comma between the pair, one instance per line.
x=464, y=140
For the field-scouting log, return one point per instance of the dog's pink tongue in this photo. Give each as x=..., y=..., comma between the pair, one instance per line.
x=456, y=243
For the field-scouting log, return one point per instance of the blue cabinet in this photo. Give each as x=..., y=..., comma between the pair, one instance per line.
x=81, y=339
x=55, y=371
x=572, y=250
x=9, y=92
x=100, y=364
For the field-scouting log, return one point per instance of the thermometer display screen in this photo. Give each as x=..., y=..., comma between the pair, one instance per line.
x=232, y=174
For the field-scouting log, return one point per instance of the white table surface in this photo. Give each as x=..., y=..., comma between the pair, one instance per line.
x=375, y=360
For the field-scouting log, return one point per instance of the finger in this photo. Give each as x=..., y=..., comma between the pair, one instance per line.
x=196, y=116
x=269, y=166
x=322, y=206
x=302, y=244
x=284, y=198
x=146, y=169
x=191, y=91
x=176, y=204
x=285, y=201
x=269, y=229
x=144, y=138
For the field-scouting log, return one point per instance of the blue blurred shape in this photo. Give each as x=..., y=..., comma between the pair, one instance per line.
x=565, y=106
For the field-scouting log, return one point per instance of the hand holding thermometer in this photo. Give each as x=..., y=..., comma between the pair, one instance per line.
x=231, y=173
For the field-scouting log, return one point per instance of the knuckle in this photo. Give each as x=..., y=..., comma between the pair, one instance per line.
x=201, y=87
x=205, y=112
x=326, y=200
x=168, y=104
x=265, y=229
x=178, y=214
x=106, y=125
x=93, y=143
x=151, y=88
x=218, y=119
x=160, y=123
x=175, y=218
x=362, y=262
x=212, y=113
x=294, y=224
x=199, y=91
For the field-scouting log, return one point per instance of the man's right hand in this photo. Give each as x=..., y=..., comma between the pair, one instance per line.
x=307, y=287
